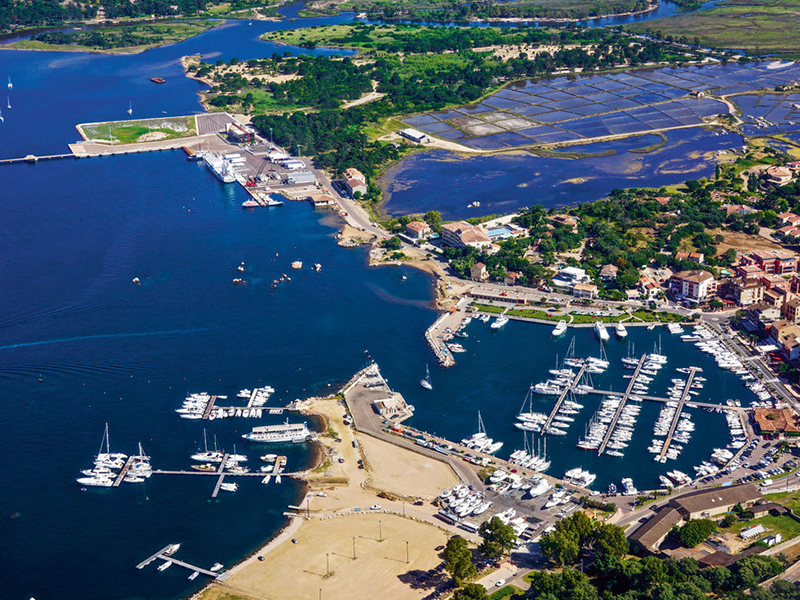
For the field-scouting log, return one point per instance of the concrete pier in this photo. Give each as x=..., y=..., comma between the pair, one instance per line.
x=662, y=455
x=562, y=397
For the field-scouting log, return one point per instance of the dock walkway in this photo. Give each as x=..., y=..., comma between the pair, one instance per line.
x=161, y=554
x=677, y=417
x=562, y=397
x=613, y=425
x=123, y=473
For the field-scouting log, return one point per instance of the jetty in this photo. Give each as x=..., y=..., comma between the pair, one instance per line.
x=677, y=416
x=32, y=158
x=613, y=425
x=209, y=407
x=562, y=397
x=162, y=555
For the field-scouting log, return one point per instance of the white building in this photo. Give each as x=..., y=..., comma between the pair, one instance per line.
x=569, y=276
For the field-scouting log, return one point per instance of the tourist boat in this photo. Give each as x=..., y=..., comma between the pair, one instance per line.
x=287, y=432
x=560, y=329
x=620, y=331
x=153, y=79
x=499, y=322
x=600, y=330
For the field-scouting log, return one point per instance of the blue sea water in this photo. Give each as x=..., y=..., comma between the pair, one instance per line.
x=81, y=346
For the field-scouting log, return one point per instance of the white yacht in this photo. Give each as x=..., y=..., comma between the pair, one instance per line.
x=620, y=331
x=560, y=329
x=628, y=487
x=600, y=330
x=499, y=322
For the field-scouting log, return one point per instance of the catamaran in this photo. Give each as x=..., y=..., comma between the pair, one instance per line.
x=426, y=383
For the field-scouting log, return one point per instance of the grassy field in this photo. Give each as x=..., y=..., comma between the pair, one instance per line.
x=129, y=132
x=786, y=526
x=487, y=308
x=507, y=592
x=147, y=35
x=750, y=25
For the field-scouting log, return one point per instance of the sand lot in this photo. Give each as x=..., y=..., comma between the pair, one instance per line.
x=298, y=571
x=403, y=472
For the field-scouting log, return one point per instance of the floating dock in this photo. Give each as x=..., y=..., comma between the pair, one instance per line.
x=161, y=554
x=562, y=397
x=613, y=425
x=124, y=471
x=677, y=416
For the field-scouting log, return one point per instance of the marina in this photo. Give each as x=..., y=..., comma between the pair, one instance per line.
x=166, y=555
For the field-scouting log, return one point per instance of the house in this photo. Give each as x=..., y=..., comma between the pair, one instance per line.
x=415, y=136
x=778, y=175
x=772, y=281
x=746, y=291
x=608, y=273
x=654, y=531
x=662, y=200
x=789, y=230
x=569, y=276
x=794, y=284
x=760, y=317
x=787, y=336
x=737, y=209
x=788, y=218
x=748, y=271
x=649, y=288
x=418, y=230
x=512, y=277
x=775, y=297
x=781, y=262
x=355, y=182
x=321, y=201
x=692, y=256
x=460, y=234
x=694, y=285
x=389, y=407
x=707, y=503
x=776, y=420
x=567, y=220
x=478, y=272
x=584, y=290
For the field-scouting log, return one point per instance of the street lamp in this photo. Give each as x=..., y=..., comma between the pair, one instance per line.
x=407, y=561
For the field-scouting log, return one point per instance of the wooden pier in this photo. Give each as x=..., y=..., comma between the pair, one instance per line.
x=221, y=474
x=613, y=425
x=562, y=397
x=166, y=557
x=662, y=455
x=124, y=471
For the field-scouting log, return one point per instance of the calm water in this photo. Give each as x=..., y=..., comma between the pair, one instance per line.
x=448, y=183
x=81, y=346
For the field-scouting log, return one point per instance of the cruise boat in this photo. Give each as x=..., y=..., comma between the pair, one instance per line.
x=219, y=167
x=620, y=331
x=600, y=330
x=287, y=432
x=499, y=322
x=560, y=329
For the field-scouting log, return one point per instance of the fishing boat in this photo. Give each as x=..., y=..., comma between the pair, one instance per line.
x=426, y=383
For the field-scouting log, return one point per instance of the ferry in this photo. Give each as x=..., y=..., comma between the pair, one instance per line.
x=294, y=432
x=219, y=167
x=601, y=331
x=560, y=329
x=499, y=322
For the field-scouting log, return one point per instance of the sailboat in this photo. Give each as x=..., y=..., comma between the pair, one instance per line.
x=130, y=108
x=426, y=383
x=208, y=455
